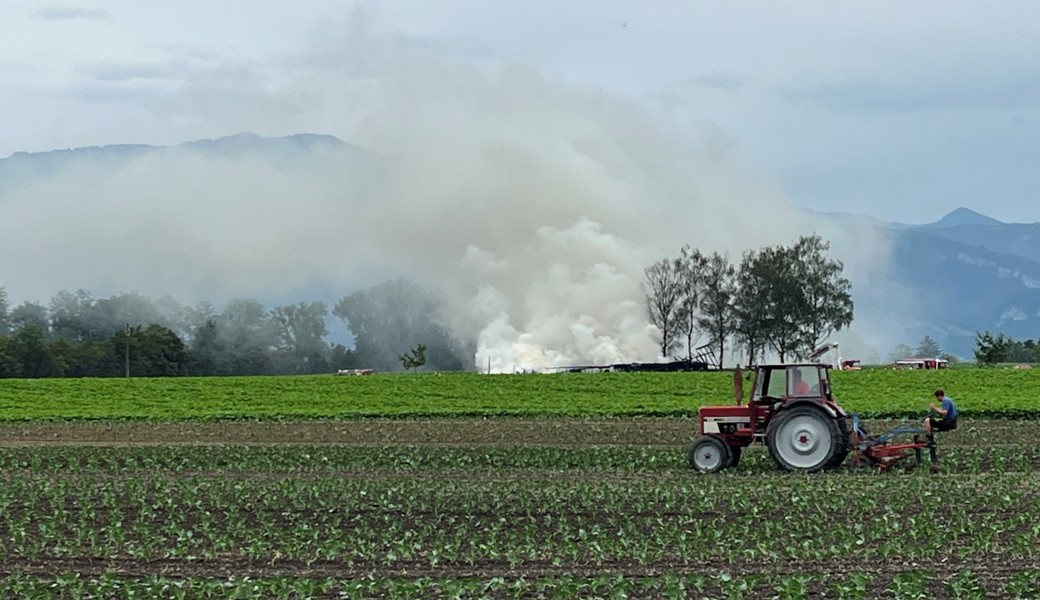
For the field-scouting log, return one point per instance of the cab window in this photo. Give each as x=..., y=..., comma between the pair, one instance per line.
x=777, y=387
x=803, y=381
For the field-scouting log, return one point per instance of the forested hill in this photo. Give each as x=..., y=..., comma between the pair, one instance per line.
x=24, y=168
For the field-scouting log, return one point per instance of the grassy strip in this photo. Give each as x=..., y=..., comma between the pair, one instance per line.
x=981, y=393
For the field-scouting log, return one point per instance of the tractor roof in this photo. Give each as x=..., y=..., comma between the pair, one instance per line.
x=787, y=365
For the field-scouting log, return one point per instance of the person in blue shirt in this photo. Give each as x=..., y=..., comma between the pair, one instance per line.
x=943, y=417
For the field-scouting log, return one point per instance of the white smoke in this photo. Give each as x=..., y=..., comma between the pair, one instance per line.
x=533, y=205
x=572, y=301
x=539, y=205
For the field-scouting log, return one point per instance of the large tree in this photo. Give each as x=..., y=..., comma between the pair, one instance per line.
x=300, y=331
x=717, y=316
x=181, y=319
x=663, y=294
x=29, y=350
x=246, y=333
x=690, y=272
x=30, y=314
x=768, y=303
x=991, y=349
x=826, y=293
x=390, y=318
x=9, y=364
x=783, y=302
x=900, y=351
x=5, y=323
x=77, y=316
x=750, y=326
x=927, y=348
x=74, y=317
x=88, y=359
x=154, y=351
x=209, y=354
x=791, y=297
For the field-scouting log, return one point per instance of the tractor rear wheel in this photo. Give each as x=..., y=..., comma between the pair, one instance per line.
x=804, y=438
x=709, y=454
x=844, y=447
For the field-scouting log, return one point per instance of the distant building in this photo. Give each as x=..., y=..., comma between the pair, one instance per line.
x=921, y=363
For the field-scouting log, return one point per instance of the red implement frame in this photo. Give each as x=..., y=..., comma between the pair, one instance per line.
x=871, y=451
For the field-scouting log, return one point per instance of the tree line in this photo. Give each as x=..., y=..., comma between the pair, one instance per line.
x=77, y=335
x=991, y=349
x=781, y=299
x=926, y=348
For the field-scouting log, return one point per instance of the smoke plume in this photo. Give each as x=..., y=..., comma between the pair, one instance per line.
x=532, y=204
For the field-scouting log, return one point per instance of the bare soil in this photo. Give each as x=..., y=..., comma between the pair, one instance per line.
x=992, y=571
x=379, y=432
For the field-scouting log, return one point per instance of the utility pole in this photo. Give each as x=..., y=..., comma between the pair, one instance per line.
x=127, y=351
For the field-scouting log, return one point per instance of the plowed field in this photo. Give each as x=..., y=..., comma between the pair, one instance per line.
x=499, y=508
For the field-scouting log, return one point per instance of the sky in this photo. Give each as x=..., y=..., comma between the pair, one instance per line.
x=899, y=110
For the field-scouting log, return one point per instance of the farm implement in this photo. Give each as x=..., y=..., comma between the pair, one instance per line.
x=882, y=451
x=793, y=413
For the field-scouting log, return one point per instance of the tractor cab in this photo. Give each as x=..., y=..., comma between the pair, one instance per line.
x=783, y=383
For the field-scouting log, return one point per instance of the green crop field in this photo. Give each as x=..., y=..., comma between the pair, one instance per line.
x=514, y=486
x=510, y=520
x=981, y=393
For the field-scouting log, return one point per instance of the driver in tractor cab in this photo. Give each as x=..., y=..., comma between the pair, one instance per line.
x=799, y=387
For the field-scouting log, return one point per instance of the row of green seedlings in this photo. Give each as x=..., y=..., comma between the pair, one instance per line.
x=288, y=460
x=1000, y=394
x=363, y=524
x=859, y=585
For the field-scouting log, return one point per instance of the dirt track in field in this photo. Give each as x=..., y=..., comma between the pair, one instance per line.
x=562, y=432
x=377, y=432
x=993, y=565
x=993, y=571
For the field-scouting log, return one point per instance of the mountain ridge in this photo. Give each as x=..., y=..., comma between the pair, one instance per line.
x=243, y=139
x=963, y=273
x=962, y=216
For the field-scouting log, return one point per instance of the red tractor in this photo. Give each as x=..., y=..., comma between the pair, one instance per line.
x=791, y=410
x=793, y=413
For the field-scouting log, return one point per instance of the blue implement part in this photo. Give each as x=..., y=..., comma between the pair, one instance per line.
x=905, y=428
x=900, y=430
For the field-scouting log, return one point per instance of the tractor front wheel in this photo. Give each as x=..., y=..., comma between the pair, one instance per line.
x=804, y=438
x=709, y=454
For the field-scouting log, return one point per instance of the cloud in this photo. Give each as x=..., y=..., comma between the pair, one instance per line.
x=469, y=50
x=198, y=53
x=866, y=96
x=1008, y=86
x=717, y=80
x=128, y=71
x=71, y=14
